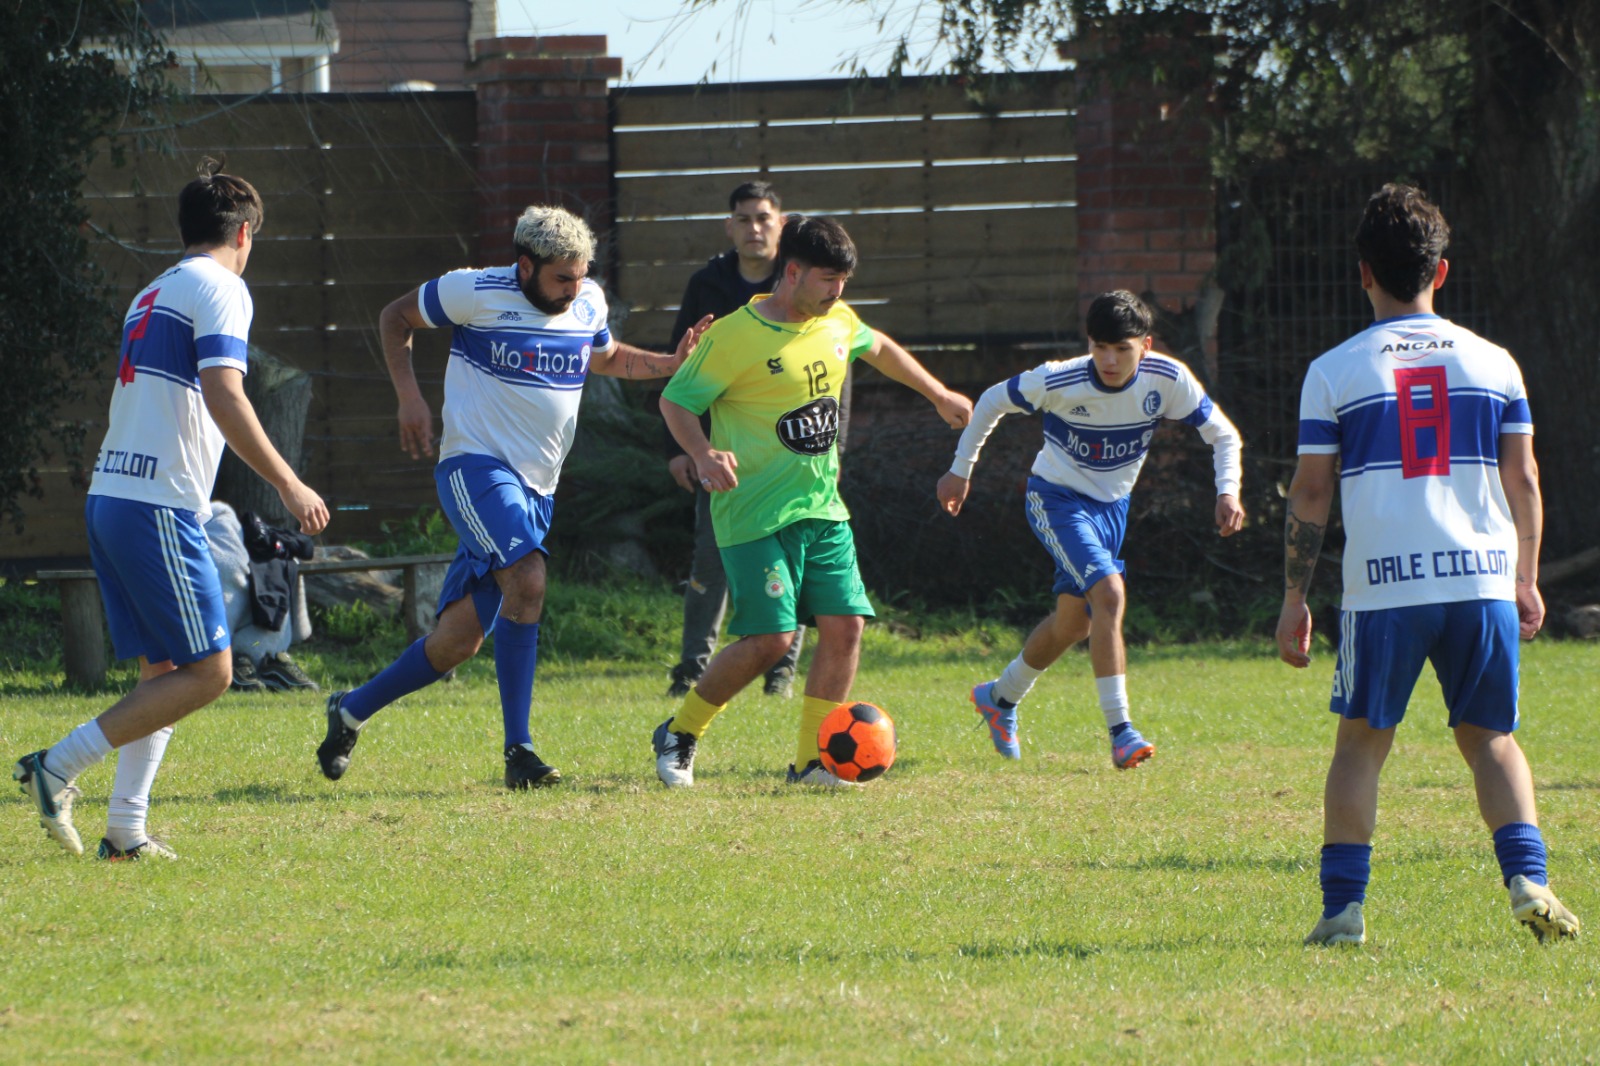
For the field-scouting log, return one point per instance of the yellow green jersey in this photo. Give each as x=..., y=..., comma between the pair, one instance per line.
x=772, y=389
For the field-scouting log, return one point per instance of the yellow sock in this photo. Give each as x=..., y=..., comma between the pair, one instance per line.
x=812, y=712
x=694, y=717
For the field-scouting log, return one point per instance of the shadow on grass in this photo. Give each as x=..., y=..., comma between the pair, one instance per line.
x=1024, y=949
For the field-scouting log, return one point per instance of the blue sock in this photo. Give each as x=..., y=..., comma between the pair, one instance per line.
x=516, y=653
x=1520, y=849
x=1346, y=869
x=406, y=674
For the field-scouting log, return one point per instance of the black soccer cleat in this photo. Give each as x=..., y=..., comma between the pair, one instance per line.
x=333, y=754
x=524, y=769
x=281, y=673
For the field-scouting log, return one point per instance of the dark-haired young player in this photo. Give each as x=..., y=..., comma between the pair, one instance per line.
x=769, y=373
x=525, y=338
x=179, y=396
x=1424, y=428
x=1100, y=412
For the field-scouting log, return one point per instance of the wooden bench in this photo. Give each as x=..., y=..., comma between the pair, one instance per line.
x=83, y=633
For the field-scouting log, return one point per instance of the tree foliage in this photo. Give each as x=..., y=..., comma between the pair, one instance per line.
x=1504, y=92
x=70, y=73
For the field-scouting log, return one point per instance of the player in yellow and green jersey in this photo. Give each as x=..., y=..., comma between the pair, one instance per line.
x=770, y=374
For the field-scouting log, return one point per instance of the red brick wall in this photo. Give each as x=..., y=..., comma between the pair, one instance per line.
x=382, y=42
x=544, y=132
x=1146, y=203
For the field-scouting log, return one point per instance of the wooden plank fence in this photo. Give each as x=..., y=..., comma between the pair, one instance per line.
x=964, y=216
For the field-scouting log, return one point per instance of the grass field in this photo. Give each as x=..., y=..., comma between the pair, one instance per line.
x=960, y=910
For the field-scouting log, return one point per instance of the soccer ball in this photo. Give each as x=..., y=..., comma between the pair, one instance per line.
x=857, y=742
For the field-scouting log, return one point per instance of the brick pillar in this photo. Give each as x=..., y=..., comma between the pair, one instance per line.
x=544, y=133
x=1146, y=201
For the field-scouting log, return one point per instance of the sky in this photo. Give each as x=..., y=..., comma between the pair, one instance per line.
x=733, y=40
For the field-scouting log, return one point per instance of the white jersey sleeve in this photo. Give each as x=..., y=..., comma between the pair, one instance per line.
x=995, y=403
x=222, y=317
x=450, y=300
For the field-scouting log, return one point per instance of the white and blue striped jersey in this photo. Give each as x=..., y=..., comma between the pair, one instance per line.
x=1414, y=408
x=516, y=374
x=1096, y=438
x=161, y=446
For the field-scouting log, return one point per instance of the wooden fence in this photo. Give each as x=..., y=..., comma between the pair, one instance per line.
x=964, y=217
x=366, y=196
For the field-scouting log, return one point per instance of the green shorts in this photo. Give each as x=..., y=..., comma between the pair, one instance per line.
x=805, y=569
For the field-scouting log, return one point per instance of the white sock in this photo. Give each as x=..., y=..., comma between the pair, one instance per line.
x=1113, y=699
x=1016, y=680
x=130, y=792
x=351, y=721
x=79, y=750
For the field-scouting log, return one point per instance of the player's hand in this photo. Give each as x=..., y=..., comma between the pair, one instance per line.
x=1530, y=609
x=954, y=408
x=952, y=492
x=681, y=467
x=1294, y=634
x=716, y=471
x=691, y=337
x=305, y=505
x=1230, y=515
x=416, y=428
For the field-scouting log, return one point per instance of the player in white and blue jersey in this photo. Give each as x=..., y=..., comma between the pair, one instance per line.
x=179, y=396
x=1423, y=428
x=1100, y=413
x=525, y=339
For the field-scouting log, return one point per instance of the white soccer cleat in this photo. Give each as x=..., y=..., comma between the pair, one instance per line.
x=814, y=774
x=52, y=797
x=1346, y=927
x=1536, y=907
x=674, y=756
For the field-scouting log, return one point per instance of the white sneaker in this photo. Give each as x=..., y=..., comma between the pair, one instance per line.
x=814, y=774
x=1346, y=927
x=52, y=796
x=1536, y=907
x=674, y=756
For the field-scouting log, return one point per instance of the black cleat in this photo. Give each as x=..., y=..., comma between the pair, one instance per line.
x=281, y=673
x=334, y=752
x=245, y=676
x=524, y=769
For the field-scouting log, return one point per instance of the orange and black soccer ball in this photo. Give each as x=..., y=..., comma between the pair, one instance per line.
x=857, y=742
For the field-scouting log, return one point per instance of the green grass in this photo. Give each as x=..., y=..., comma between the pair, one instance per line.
x=960, y=910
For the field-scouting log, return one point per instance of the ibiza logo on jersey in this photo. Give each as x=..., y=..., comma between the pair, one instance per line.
x=583, y=309
x=1152, y=403
x=810, y=429
x=1409, y=346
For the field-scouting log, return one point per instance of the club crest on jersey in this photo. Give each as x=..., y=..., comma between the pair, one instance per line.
x=583, y=309
x=810, y=429
x=838, y=351
x=774, y=584
x=1152, y=402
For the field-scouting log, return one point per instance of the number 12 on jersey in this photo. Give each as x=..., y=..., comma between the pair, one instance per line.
x=1423, y=396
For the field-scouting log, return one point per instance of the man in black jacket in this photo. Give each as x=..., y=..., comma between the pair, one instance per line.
x=724, y=285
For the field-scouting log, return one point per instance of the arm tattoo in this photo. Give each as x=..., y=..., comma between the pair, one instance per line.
x=1303, y=543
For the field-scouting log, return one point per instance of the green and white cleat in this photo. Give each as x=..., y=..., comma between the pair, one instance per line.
x=52, y=797
x=1346, y=927
x=1536, y=907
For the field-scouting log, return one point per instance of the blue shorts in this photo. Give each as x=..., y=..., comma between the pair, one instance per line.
x=158, y=581
x=1472, y=645
x=1082, y=535
x=498, y=520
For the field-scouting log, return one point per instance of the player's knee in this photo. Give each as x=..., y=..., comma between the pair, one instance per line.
x=447, y=650
x=772, y=646
x=213, y=674
x=1108, y=595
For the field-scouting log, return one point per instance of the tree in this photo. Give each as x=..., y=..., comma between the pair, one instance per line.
x=70, y=74
x=1506, y=90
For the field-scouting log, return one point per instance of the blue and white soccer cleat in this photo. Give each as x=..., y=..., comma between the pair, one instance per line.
x=52, y=797
x=1129, y=749
x=1002, y=720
